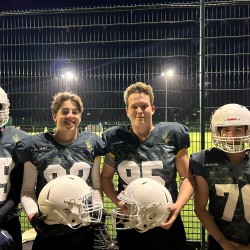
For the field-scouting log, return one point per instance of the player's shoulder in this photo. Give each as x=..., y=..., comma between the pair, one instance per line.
x=13, y=135
x=174, y=133
x=87, y=135
x=37, y=139
x=172, y=126
x=205, y=154
x=31, y=144
x=116, y=131
x=16, y=131
x=112, y=130
x=90, y=138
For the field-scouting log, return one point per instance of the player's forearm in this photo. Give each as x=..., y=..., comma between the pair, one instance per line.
x=97, y=198
x=28, y=196
x=209, y=224
x=29, y=204
x=185, y=192
x=109, y=190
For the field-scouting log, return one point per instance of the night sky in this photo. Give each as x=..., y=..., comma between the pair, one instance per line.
x=6, y=5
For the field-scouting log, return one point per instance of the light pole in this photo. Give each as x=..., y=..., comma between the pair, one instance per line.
x=167, y=74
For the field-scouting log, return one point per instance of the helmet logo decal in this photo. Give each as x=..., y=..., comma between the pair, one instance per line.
x=232, y=119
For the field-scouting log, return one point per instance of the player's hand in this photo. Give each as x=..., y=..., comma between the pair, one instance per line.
x=174, y=211
x=122, y=205
x=240, y=246
x=37, y=221
x=231, y=245
x=6, y=241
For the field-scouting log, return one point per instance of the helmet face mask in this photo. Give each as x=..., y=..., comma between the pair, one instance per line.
x=4, y=108
x=148, y=206
x=68, y=200
x=232, y=144
x=227, y=116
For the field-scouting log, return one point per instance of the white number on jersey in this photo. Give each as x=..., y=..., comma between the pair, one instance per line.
x=146, y=171
x=233, y=195
x=6, y=165
x=79, y=169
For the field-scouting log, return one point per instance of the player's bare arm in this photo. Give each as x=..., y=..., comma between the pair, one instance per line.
x=107, y=175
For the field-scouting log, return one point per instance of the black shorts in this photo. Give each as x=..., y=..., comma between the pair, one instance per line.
x=82, y=238
x=13, y=227
x=156, y=238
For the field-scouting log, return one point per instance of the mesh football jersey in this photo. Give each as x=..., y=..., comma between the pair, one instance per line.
x=153, y=158
x=52, y=159
x=229, y=192
x=9, y=137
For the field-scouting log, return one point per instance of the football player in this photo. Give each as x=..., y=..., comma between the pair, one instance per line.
x=222, y=173
x=50, y=155
x=11, y=176
x=144, y=150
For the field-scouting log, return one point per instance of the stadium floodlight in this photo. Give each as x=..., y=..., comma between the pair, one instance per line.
x=68, y=75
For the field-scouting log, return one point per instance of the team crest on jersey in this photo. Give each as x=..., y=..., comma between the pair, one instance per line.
x=16, y=138
x=165, y=137
x=88, y=144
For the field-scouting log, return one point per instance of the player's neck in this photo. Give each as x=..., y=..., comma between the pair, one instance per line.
x=142, y=133
x=236, y=158
x=65, y=139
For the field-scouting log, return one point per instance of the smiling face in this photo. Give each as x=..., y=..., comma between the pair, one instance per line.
x=68, y=116
x=233, y=131
x=139, y=110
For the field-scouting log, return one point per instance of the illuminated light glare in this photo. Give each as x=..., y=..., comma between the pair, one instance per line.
x=69, y=75
x=169, y=73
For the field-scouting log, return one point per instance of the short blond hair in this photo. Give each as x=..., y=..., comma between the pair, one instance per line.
x=139, y=87
x=61, y=97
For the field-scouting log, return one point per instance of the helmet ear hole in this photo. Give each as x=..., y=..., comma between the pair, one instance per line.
x=151, y=216
x=148, y=201
x=66, y=211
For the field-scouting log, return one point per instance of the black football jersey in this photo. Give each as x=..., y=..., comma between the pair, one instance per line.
x=229, y=192
x=53, y=159
x=153, y=158
x=8, y=139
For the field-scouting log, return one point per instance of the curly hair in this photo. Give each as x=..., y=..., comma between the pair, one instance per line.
x=139, y=87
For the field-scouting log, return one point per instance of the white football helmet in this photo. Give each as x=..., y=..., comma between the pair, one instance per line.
x=148, y=205
x=4, y=108
x=231, y=115
x=68, y=200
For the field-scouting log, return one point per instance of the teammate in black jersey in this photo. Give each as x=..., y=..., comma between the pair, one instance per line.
x=11, y=175
x=144, y=150
x=65, y=152
x=222, y=173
